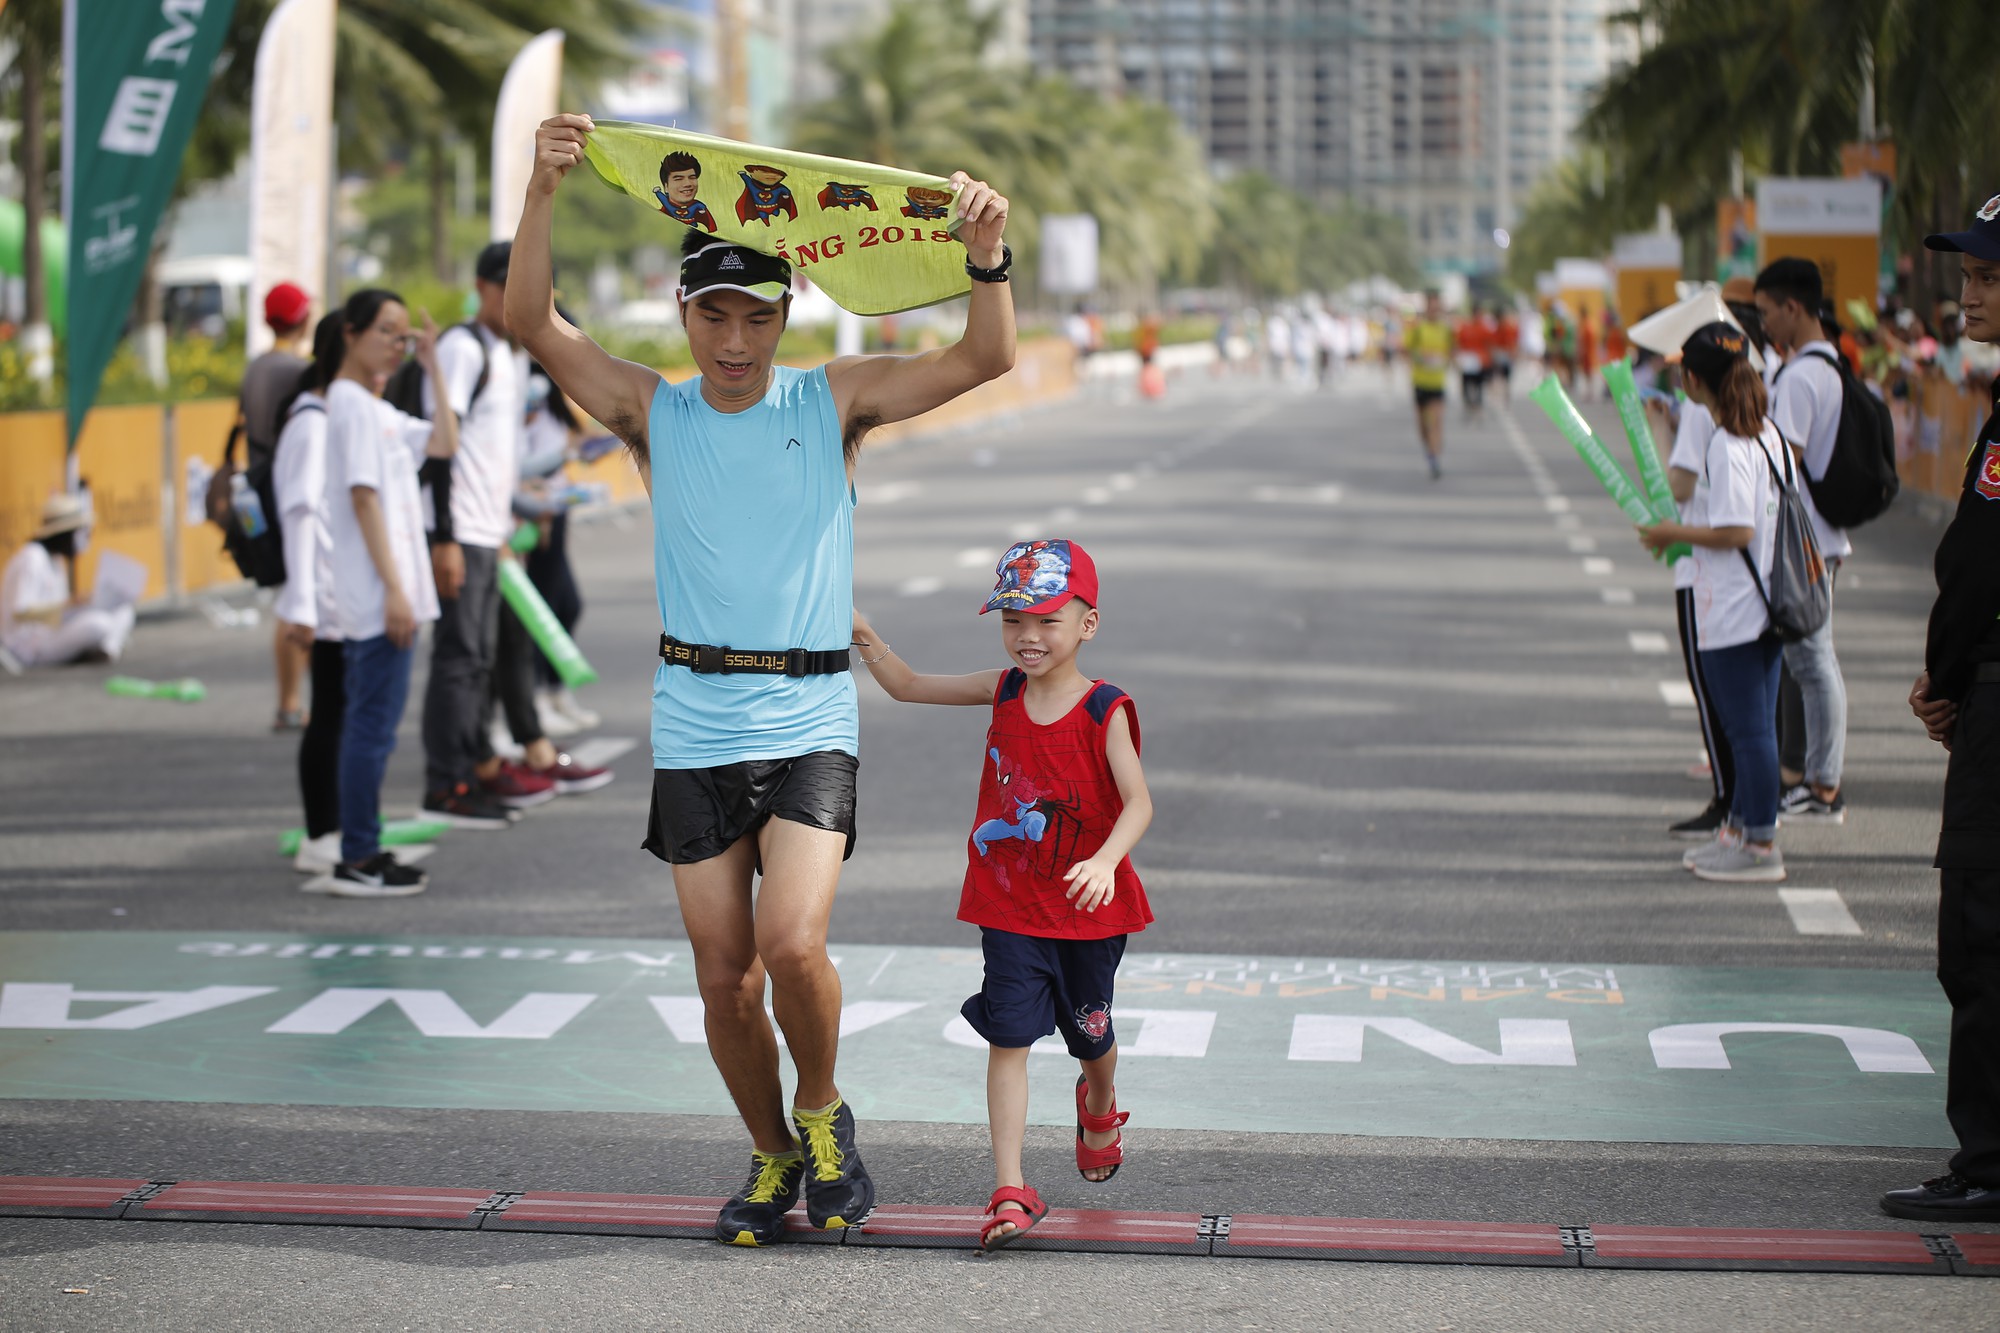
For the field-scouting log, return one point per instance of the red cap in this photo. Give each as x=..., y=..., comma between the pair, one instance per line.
x=1039, y=576
x=286, y=306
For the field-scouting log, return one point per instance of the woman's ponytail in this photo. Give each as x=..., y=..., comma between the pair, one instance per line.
x=328, y=347
x=1740, y=400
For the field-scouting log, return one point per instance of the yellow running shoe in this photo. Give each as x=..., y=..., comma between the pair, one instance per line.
x=757, y=1215
x=839, y=1190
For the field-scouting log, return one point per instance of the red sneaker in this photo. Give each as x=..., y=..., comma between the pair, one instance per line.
x=571, y=778
x=518, y=786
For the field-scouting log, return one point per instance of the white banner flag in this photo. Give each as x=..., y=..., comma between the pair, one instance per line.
x=529, y=95
x=291, y=159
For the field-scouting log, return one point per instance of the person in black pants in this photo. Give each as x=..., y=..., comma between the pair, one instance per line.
x=1958, y=699
x=307, y=614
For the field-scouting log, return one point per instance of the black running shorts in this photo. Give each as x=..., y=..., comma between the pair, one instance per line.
x=699, y=813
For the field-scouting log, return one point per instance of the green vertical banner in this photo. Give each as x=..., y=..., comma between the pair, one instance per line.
x=134, y=77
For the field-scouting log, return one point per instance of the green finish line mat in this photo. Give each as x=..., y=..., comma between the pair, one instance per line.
x=1294, y=1045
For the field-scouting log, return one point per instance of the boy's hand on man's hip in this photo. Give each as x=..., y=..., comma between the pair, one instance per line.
x=1091, y=884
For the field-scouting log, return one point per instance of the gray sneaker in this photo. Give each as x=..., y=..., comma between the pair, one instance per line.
x=1726, y=836
x=1742, y=864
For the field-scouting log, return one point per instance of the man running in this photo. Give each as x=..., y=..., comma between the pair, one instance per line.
x=750, y=468
x=1429, y=341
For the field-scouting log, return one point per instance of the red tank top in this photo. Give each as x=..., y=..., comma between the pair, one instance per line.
x=1047, y=800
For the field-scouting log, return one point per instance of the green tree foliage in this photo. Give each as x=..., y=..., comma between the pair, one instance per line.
x=1781, y=82
x=918, y=93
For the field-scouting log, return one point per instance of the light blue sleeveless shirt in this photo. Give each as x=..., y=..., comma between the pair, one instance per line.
x=753, y=547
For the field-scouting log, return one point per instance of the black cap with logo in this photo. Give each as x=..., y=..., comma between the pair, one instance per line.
x=1981, y=240
x=723, y=266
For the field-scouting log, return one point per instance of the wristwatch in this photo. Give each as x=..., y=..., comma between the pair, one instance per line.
x=998, y=273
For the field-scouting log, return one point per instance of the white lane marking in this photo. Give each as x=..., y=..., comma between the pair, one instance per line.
x=1021, y=532
x=876, y=975
x=1818, y=912
x=1557, y=504
x=890, y=492
x=1123, y=481
x=1616, y=596
x=1567, y=522
x=1645, y=641
x=974, y=557
x=1097, y=495
x=1579, y=544
x=1275, y=495
x=1677, y=693
x=599, y=750
x=1597, y=567
x=921, y=586
x=1062, y=516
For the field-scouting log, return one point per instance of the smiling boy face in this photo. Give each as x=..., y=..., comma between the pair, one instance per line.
x=682, y=185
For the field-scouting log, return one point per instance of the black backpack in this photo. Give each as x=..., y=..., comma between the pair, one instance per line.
x=405, y=393
x=260, y=558
x=1800, y=595
x=1860, y=480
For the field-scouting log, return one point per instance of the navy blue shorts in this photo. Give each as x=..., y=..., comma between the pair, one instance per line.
x=1036, y=986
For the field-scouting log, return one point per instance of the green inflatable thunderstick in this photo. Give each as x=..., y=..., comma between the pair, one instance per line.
x=1549, y=396
x=543, y=627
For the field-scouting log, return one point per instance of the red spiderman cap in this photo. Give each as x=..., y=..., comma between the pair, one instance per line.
x=1040, y=576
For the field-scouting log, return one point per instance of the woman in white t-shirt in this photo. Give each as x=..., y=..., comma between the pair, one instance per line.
x=1737, y=501
x=380, y=566
x=305, y=607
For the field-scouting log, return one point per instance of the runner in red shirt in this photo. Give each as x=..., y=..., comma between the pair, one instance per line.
x=1475, y=354
x=1062, y=801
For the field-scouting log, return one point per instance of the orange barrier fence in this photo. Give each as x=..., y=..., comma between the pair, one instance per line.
x=1936, y=427
x=148, y=468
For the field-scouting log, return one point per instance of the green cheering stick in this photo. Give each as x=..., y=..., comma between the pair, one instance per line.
x=187, y=691
x=543, y=627
x=1549, y=396
x=1645, y=454
x=395, y=833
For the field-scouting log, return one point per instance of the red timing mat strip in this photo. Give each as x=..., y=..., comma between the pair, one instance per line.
x=935, y=1227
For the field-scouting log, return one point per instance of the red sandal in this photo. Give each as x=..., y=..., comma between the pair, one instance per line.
x=1023, y=1197
x=1113, y=1154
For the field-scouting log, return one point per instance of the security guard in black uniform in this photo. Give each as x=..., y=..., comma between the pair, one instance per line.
x=1958, y=700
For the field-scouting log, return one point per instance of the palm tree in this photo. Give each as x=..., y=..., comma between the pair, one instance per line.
x=918, y=93
x=35, y=26
x=1782, y=83
x=432, y=69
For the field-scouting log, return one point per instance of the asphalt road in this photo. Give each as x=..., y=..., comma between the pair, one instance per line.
x=1385, y=717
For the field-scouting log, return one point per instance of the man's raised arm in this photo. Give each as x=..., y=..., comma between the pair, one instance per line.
x=617, y=393
x=872, y=390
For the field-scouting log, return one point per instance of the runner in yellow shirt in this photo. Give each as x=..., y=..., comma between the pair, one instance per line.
x=1429, y=343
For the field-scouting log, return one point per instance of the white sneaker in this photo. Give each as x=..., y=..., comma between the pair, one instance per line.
x=1725, y=837
x=1742, y=864
x=566, y=703
x=318, y=856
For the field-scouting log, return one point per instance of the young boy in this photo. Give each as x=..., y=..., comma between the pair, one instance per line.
x=1062, y=800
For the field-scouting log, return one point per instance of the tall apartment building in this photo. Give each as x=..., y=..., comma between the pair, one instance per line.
x=1442, y=112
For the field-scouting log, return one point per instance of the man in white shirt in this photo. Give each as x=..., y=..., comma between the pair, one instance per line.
x=464, y=783
x=1805, y=404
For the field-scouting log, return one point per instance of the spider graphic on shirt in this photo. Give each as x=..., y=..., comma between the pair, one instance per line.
x=1043, y=838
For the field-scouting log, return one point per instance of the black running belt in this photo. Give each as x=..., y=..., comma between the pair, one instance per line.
x=708, y=659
